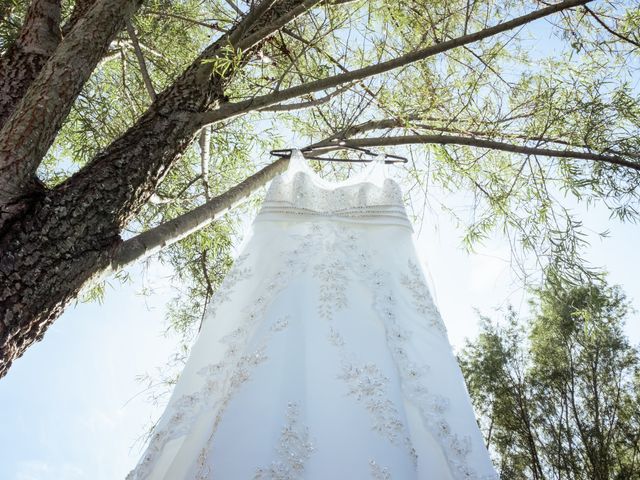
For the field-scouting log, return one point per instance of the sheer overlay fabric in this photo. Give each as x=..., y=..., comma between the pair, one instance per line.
x=322, y=355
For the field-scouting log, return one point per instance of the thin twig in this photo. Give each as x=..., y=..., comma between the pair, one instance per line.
x=609, y=29
x=308, y=104
x=204, y=140
x=143, y=66
x=212, y=26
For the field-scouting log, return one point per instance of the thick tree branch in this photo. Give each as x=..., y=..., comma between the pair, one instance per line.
x=414, y=122
x=153, y=240
x=33, y=126
x=490, y=144
x=205, y=141
x=230, y=110
x=41, y=30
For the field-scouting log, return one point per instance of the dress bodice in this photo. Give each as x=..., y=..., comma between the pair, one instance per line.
x=367, y=197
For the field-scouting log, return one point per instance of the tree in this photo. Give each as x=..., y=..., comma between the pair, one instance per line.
x=98, y=136
x=558, y=395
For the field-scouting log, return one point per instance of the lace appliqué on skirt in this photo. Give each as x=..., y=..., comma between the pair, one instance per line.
x=414, y=376
x=293, y=451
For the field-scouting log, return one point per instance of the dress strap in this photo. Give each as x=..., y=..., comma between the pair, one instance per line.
x=296, y=161
x=374, y=172
x=378, y=171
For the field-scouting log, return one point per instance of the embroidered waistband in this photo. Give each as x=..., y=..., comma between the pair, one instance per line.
x=376, y=214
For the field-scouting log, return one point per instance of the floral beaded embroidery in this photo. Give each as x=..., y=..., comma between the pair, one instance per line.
x=432, y=407
x=422, y=302
x=229, y=374
x=301, y=192
x=280, y=324
x=332, y=279
x=204, y=470
x=294, y=450
x=365, y=382
x=369, y=386
x=299, y=196
x=378, y=472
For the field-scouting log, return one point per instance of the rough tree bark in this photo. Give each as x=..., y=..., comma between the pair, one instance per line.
x=69, y=234
x=33, y=125
x=38, y=39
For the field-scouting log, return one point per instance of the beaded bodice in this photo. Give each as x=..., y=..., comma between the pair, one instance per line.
x=368, y=197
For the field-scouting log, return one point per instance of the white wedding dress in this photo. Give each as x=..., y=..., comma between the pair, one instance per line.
x=322, y=355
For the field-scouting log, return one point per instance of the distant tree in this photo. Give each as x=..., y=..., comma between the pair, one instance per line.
x=128, y=126
x=559, y=395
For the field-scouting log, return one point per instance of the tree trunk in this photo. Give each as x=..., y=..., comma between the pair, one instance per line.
x=32, y=127
x=23, y=61
x=66, y=235
x=39, y=37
